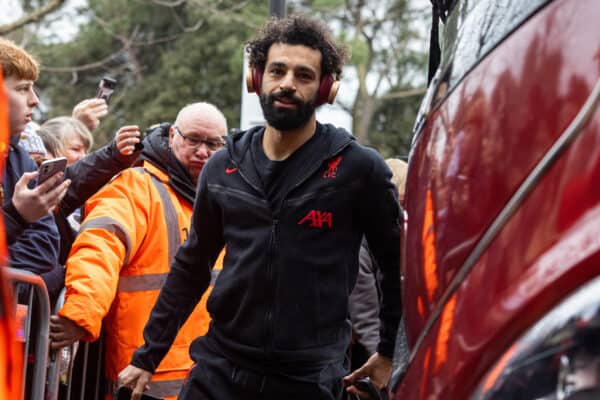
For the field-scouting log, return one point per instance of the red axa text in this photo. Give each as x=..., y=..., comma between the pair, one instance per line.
x=318, y=219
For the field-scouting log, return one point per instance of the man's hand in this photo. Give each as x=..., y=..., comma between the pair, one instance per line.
x=135, y=378
x=64, y=332
x=90, y=112
x=378, y=368
x=33, y=204
x=126, y=139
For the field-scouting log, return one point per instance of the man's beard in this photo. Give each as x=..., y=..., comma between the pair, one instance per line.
x=285, y=119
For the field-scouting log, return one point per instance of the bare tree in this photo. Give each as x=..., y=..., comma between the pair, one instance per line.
x=380, y=35
x=380, y=31
x=34, y=16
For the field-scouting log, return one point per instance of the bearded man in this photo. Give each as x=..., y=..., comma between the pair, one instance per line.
x=291, y=201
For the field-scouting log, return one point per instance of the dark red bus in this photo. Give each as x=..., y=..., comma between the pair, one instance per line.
x=501, y=268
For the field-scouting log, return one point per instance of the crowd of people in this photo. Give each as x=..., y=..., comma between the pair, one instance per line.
x=217, y=266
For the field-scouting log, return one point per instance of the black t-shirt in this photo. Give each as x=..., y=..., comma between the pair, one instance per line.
x=278, y=176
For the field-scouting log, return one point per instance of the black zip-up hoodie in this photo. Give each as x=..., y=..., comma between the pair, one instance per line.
x=280, y=304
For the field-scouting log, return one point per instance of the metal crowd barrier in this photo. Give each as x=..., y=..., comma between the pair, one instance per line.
x=52, y=376
x=55, y=365
x=37, y=298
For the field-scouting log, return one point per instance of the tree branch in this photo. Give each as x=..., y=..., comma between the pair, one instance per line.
x=173, y=3
x=85, y=67
x=400, y=94
x=34, y=16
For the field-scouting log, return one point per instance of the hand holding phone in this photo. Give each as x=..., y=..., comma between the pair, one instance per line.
x=124, y=393
x=34, y=203
x=127, y=139
x=106, y=87
x=51, y=167
x=139, y=146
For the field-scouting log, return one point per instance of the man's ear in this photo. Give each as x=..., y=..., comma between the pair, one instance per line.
x=171, y=134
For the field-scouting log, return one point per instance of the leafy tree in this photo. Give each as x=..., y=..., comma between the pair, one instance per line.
x=167, y=53
x=164, y=55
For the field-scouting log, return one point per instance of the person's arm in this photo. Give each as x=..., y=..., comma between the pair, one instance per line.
x=383, y=237
x=381, y=219
x=114, y=228
x=96, y=169
x=14, y=224
x=90, y=111
x=364, y=301
x=28, y=205
x=188, y=279
x=36, y=247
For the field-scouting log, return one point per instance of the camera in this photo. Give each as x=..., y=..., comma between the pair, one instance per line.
x=106, y=87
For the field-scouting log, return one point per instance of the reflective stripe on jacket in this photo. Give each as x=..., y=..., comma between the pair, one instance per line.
x=118, y=263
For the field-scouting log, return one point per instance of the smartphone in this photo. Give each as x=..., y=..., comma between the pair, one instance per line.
x=140, y=146
x=124, y=393
x=106, y=87
x=51, y=167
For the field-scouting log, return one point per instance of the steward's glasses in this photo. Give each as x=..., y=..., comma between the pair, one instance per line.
x=195, y=143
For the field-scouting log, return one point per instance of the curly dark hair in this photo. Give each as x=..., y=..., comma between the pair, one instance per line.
x=298, y=30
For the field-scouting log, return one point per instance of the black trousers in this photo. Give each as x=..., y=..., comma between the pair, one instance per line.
x=216, y=378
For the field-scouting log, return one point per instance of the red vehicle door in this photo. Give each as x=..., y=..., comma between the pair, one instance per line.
x=503, y=204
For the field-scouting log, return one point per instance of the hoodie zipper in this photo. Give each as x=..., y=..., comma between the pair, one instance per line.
x=269, y=328
x=268, y=338
x=268, y=321
x=269, y=324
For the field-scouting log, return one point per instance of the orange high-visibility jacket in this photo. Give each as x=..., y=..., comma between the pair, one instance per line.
x=11, y=353
x=117, y=265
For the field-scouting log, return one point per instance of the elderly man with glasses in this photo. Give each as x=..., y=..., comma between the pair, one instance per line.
x=132, y=229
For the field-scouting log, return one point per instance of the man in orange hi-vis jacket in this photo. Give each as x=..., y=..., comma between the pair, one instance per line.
x=121, y=257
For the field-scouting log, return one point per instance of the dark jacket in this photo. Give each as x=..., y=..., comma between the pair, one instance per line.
x=87, y=176
x=280, y=304
x=156, y=150
x=32, y=247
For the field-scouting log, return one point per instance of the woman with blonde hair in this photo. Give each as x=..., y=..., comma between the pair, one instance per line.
x=399, y=169
x=66, y=137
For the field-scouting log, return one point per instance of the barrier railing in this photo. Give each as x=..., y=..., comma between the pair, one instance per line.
x=52, y=376
x=56, y=363
x=37, y=298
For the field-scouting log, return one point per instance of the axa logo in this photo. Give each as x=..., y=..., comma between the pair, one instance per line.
x=332, y=167
x=318, y=219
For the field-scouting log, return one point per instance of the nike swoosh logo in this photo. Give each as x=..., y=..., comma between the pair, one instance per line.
x=230, y=170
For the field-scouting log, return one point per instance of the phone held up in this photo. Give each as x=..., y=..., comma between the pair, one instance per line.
x=106, y=87
x=139, y=145
x=51, y=167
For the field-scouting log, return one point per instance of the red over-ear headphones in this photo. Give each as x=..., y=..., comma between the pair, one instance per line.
x=327, y=89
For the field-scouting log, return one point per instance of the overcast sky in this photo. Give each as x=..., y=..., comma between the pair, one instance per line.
x=66, y=26
x=9, y=10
